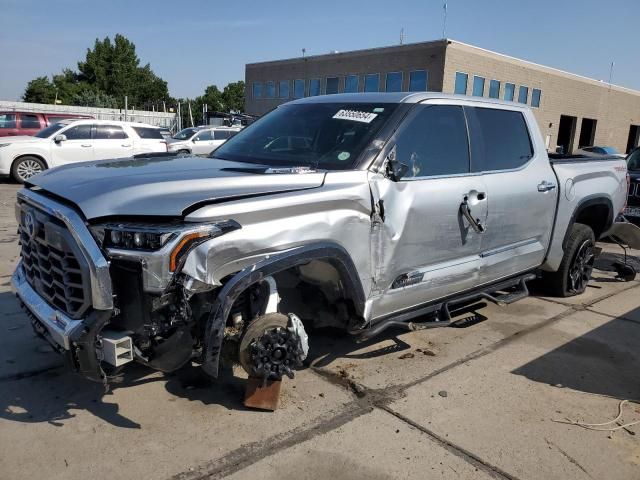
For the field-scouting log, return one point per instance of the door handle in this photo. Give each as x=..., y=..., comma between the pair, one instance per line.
x=86, y=145
x=475, y=223
x=545, y=186
x=125, y=145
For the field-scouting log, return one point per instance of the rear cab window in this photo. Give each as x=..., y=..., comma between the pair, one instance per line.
x=149, y=133
x=29, y=121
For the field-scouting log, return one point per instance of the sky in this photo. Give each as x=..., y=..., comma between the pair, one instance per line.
x=198, y=43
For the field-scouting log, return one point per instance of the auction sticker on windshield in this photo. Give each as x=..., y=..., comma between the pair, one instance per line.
x=355, y=116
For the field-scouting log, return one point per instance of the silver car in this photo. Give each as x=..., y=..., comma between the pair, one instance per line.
x=200, y=140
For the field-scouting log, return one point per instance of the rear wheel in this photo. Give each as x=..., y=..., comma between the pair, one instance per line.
x=26, y=167
x=577, y=264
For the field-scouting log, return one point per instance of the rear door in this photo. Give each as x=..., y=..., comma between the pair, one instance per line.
x=219, y=137
x=422, y=247
x=521, y=188
x=111, y=141
x=78, y=147
x=30, y=123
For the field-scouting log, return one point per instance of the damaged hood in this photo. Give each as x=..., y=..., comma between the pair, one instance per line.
x=163, y=186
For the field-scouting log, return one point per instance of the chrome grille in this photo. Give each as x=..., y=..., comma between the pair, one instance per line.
x=53, y=264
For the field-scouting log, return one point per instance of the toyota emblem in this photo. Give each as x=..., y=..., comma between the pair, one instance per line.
x=29, y=223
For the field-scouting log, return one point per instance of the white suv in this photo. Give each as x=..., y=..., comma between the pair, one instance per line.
x=200, y=140
x=76, y=141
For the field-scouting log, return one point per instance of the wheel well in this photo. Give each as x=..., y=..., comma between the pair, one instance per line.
x=598, y=216
x=30, y=155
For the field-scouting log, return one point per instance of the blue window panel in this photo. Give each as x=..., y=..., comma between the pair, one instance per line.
x=332, y=85
x=298, y=88
x=351, y=84
x=270, y=90
x=418, y=80
x=283, y=88
x=523, y=94
x=509, y=91
x=536, y=93
x=257, y=89
x=478, y=86
x=314, y=87
x=461, y=83
x=393, y=82
x=494, y=89
x=372, y=82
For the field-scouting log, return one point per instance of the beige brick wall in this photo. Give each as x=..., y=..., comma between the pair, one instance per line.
x=614, y=108
x=402, y=58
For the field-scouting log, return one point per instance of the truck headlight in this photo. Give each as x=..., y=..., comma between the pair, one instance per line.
x=146, y=241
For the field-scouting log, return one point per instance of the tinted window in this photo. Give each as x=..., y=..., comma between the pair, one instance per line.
x=351, y=84
x=298, y=88
x=372, y=82
x=434, y=142
x=332, y=85
x=29, y=121
x=270, y=90
x=154, y=133
x=494, y=89
x=633, y=162
x=109, y=132
x=461, y=83
x=499, y=139
x=7, y=120
x=323, y=135
x=478, y=86
x=283, y=88
x=204, y=136
x=50, y=130
x=418, y=81
x=80, y=132
x=314, y=87
x=394, y=82
x=220, y=134
x=509, y=91
x=257, y=90
x=535, y=97
x=523, y=94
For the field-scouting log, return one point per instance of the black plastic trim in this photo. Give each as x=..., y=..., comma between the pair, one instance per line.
x=586, y=202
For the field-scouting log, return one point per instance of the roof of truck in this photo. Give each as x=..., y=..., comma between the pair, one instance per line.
x=398, y=97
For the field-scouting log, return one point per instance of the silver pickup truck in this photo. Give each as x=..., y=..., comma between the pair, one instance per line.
x=358, y=211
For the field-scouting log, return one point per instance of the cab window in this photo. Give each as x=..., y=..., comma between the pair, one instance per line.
x=79, y=132
x=7, y=120
x=203, y=136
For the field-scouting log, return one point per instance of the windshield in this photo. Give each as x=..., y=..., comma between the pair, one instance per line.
x=320, y=135
x=633, y=162
x=185, y=134
x=50, y=130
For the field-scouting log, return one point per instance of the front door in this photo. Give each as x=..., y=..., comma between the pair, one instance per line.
x=203, y=143
x=521, y=187
x=111, y=141
x=78, y=146
x=423, y=248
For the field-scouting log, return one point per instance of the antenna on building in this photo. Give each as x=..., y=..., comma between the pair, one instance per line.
x=444, y=21
x=611, y=73
x=401, y=36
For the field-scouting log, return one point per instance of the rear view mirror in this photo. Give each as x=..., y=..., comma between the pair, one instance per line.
x=60, y=138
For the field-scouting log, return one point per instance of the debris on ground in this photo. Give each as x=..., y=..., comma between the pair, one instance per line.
x=406, y=355
x=443, y=393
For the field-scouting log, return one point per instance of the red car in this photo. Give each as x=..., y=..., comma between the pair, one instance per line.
x=29, y=123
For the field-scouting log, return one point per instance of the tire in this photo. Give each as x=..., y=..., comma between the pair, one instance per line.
x=26, y=167
x=574, y=272
x=183, y=153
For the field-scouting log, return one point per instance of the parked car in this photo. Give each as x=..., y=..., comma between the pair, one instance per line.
x=596, y=151
x=30, y=123
x=385, y=209
x=200, y=140
x=632, y=211
x=72, y=141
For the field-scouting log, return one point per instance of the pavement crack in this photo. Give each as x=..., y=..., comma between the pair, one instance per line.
x=458, y=451
x=567, y=456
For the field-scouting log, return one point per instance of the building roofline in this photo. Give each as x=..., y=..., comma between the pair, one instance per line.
x=552, y=69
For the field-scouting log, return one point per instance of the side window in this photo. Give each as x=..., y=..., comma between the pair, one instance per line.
x=29, y=121
x=204, y=136
x=109, y=132
x=220, y=134
x=79, y=132
x=499, y=139
x=434, y=142
x=7, y=120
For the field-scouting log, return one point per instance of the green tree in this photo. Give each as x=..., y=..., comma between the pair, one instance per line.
x=91, y=98
x=233, y=97
x=40, y=90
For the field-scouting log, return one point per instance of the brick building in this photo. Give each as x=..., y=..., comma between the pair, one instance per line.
x=572, y=111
